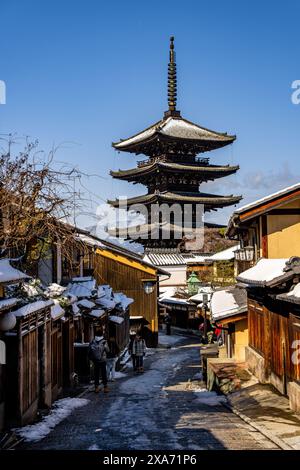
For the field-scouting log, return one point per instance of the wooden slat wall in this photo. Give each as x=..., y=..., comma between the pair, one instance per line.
x=256, y=323
x=29, y=372
x=127, y=279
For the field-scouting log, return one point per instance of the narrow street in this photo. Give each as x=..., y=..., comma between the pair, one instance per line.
x=161, y=409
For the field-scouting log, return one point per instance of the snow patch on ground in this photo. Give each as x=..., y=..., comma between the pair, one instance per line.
x=93, y=447
x=61, y=409
x=198, y=376
x=209, y=398
x=168, y=340
x=120, y=375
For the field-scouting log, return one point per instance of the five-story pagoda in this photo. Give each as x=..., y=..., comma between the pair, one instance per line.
x=173, y=171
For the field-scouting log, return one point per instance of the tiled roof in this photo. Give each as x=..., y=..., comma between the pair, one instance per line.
x=176, y=128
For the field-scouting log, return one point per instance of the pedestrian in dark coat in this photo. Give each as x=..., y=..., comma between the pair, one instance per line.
x=139, y=350
x=97, y=353
x=168, y=321
x=133, y=356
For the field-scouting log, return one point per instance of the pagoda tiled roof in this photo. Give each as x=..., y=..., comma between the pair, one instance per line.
x=174, y=129
x=210, y=201
x=208, y=171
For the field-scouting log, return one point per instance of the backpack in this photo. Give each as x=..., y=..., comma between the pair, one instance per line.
x=97, y=350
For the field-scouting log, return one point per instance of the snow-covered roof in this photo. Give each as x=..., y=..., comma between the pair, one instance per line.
x=279, y=193
x=32, y=307
x=224, y=255
x=260, y=202
x=106, y=302
x=175, y=127
x=89, y=240
x=56, y=310
x=122, y=300
x=292, y=296
x=80, y=289
x=85, y=303
x=227, y=302
x=266, y=272
x=55, y=290
x=116, y=319
x=97, y=312
x=10, y=274
x=8, y=303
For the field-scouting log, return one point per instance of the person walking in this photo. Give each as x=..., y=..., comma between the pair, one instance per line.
x=97, y=353
x=139, y=350
x=168, y=322
x=112, y=357
x=130, y=346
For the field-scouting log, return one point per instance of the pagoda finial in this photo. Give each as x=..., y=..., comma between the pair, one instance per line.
x=172, y=79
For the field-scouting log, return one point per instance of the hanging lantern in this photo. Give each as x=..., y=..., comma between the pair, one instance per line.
x=7, y=321
x=249, y=250
x=193, y=284
x=149, y=285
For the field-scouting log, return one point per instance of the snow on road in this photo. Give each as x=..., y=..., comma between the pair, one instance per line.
x=61, y=409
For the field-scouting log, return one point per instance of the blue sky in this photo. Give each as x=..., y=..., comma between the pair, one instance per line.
x=83, y=74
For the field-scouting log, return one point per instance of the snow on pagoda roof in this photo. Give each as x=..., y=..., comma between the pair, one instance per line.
x=178, y=128
x=227, y=302
x=266, y=272
x=8, y=274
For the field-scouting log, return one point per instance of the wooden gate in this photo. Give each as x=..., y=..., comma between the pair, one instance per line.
x=57, y=359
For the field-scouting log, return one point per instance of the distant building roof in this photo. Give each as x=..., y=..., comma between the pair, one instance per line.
x=225, y=255
x=227, y=302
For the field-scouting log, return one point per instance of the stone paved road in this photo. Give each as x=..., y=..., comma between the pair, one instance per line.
x=156, y=410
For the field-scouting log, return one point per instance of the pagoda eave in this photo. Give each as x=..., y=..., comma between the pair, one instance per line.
x=210, y=202
x=203, y=173
x=160, y=143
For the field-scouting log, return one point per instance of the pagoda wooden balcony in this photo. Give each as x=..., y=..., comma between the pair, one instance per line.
x=150, y=161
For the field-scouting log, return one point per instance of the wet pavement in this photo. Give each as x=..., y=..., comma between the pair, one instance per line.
x=160, y=409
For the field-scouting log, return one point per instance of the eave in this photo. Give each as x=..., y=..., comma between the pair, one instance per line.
x=210, y=201
x=203, y=172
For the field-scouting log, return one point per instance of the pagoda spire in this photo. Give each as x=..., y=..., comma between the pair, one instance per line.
x=172, y=81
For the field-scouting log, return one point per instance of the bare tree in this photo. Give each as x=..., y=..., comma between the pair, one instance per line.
x=37, y=202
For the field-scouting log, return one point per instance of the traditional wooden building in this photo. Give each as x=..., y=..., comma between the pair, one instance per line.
x=229, y=310
x=268, y=227
x=172, y=174
x=269, y=234
x=274, y=324
x=128, y=273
